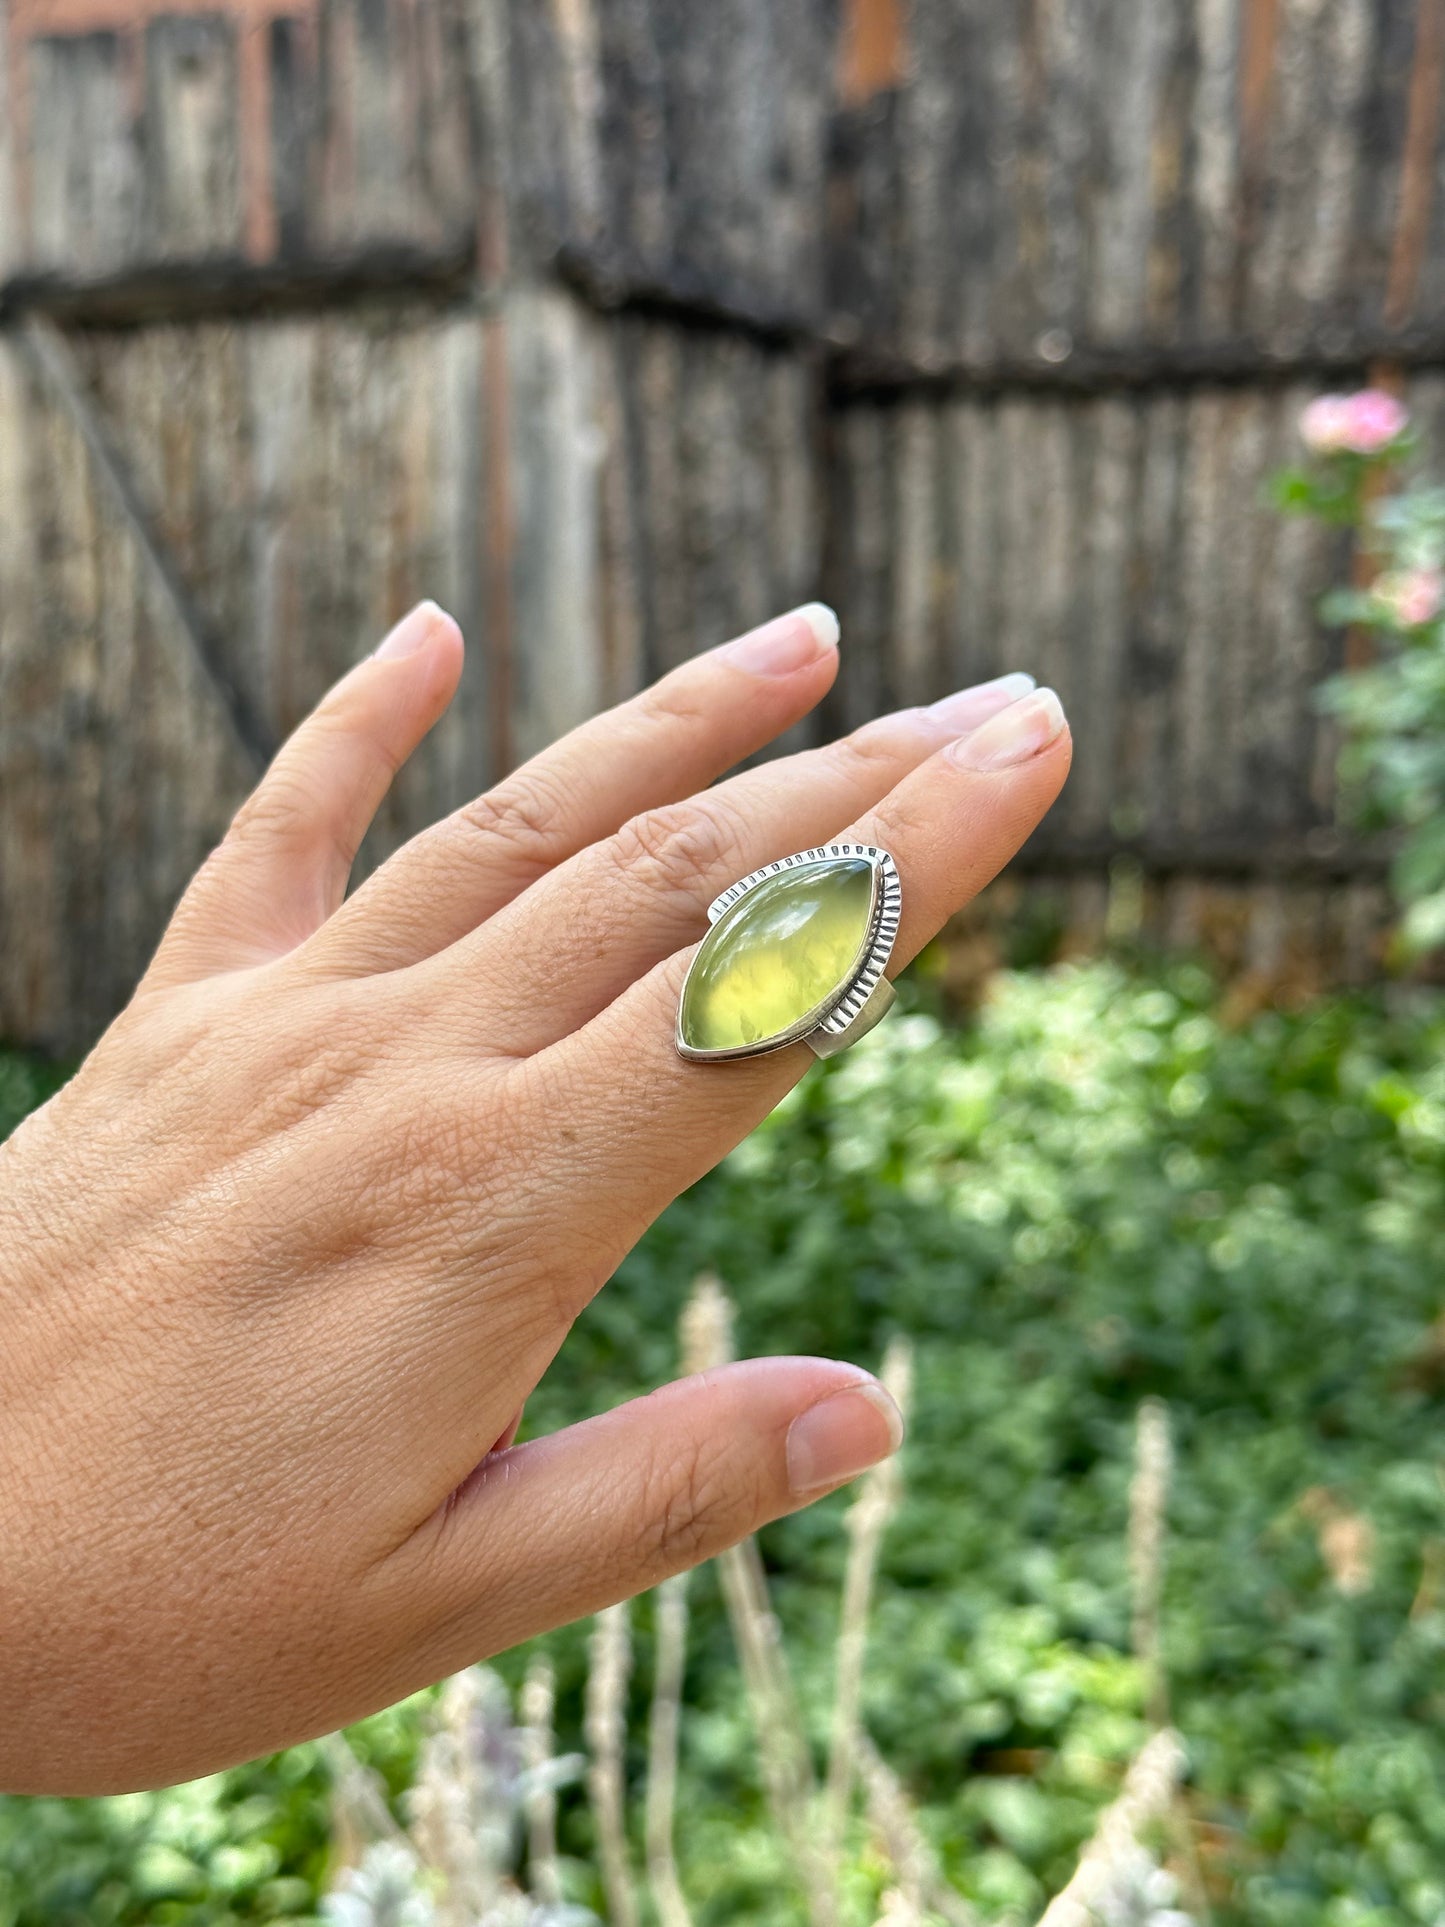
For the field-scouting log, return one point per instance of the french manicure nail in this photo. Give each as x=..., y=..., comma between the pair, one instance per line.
x=1012, y=736
x=787, y=642
x=841, y=1436
x=409, y=634
x=966, y=708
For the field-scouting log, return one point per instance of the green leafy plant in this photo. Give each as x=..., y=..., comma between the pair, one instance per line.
x=1103, y=1190
x=1392, y=710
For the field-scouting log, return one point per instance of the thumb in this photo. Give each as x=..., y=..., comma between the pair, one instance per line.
x=560, y=1527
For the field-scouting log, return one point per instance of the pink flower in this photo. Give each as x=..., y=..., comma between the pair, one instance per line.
x=1360, y=424
x=1411, y=597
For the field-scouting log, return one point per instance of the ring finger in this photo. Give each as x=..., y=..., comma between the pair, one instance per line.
x=653, y=1124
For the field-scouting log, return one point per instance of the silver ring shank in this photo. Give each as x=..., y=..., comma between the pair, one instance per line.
x=828, y=1043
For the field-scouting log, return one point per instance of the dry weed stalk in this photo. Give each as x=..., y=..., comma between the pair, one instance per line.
x=787, y=1767
x=454, y=1866
x=707, y=1342
x=1148, y=1506
x=1346, y=1540
x=663, y=1728
x=1432, y=1579
x=610, y=1663
x=900, y=1911
x=1147, y=1793
x=462, y=1805
x=360, y=1815
x=539, y=1803
x=388, y=1889
x=879, y=1493
x=921, y=1884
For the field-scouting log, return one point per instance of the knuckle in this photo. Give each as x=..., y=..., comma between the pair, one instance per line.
x=284, y=804
x=909, y=821
x=877, y=749
x=679, y=848
x=204, y=887
x=677, y=699
x=293, y=818
x=522, y=814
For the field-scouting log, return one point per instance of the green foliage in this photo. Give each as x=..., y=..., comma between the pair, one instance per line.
x=25, y=1083
x=1392, y=713
x=1097, y=1192
x=248, y=1845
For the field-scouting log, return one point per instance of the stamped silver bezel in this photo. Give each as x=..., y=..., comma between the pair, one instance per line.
x=841, y=1009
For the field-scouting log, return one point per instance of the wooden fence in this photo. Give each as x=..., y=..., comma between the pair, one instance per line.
x=618, y=324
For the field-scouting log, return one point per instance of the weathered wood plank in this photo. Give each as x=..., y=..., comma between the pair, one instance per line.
x=970, y=513
x=81, y=178
x=1077, y=175
x=310, y=480
x=1147, y=729
x=343, y=127
x=917, y=571
x=313, y=480
x=717, y=442
x=51, y=356
x=114, y=760
x=1119, y=548
x=1302, y=261
x=1109, y=483
x=191, y=144
x=675, y=148
x=396, y=159
x=11, y=240
x=858, y=564
x=682, y=147
x=1063, y=179
x=557, y=453
x=1127, y=286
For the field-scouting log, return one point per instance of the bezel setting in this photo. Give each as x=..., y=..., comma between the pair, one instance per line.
x=855, y=1005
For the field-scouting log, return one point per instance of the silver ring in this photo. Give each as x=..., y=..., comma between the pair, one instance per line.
x=796, y=954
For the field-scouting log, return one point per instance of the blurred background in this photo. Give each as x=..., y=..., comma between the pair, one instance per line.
x=617, y=326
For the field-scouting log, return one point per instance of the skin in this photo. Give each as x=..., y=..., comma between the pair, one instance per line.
x=281, y=1264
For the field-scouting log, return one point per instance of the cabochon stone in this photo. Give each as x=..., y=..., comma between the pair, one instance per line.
x=780, y=952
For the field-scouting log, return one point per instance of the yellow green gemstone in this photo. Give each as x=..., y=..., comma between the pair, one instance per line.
x=784, y=951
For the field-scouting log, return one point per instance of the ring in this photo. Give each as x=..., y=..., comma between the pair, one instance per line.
x=795, y=954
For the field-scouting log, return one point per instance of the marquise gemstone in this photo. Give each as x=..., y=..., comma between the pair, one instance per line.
x=786, y=949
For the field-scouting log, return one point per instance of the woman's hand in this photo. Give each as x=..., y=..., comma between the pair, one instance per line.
x=280, y=1265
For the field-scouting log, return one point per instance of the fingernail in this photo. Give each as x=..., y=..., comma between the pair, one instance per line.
x=410, y=633
x=842, y=1435
x=787, y=642
x=1013, y=735
x=966, y=708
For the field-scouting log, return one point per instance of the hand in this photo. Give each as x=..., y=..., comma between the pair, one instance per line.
x=280, y=1265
